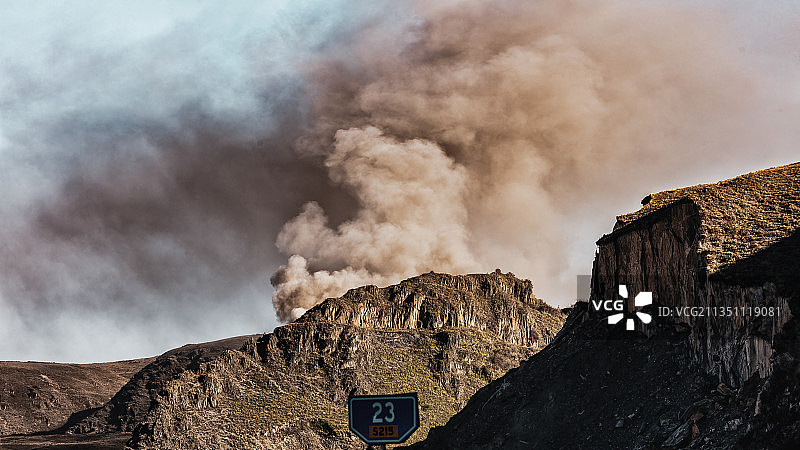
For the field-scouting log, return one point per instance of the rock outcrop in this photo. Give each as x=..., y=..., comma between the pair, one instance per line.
x=439, y=335
x=499, y=303
x=731, y=244
x=727, y=378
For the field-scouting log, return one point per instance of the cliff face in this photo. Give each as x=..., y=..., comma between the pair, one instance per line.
x=731, y=244
x=439, y=335
x=719, y=380
x=498, y=303
x=663, y=256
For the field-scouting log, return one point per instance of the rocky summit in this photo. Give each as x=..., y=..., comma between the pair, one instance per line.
x=442, y=336
x=717, y=367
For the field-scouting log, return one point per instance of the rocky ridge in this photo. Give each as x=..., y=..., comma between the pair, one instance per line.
x=440, y=335
x=433, y=301
x=133, y=401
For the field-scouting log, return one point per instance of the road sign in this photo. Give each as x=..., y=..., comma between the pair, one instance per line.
x=384, y=419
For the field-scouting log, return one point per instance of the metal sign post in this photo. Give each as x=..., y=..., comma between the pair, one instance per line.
x=383, y=419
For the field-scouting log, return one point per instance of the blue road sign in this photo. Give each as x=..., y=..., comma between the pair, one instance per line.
x=384, y=419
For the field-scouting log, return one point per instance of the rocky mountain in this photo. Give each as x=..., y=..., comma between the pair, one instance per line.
x=94, y=405
x=718, y=366
x=440, y=335
x=724, y=373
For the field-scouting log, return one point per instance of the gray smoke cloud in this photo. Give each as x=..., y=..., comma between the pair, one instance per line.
x=500, y=135
x=147, y=167
x=159, y=162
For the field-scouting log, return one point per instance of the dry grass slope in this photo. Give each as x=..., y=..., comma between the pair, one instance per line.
x=740, y=216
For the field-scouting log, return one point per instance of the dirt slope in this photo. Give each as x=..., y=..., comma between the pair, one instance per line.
x=40, y=396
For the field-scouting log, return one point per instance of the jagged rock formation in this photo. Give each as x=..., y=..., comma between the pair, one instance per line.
x=39, y=396
x=434, y=334
x=722, y=380
x=433, y=301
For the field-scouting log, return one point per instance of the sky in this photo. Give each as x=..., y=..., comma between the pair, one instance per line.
x=188, y=171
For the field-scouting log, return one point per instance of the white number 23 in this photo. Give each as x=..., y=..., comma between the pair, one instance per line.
x=389, y=416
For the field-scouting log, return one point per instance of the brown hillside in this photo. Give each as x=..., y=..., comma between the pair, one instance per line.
x=41, y=396
x=439, y=335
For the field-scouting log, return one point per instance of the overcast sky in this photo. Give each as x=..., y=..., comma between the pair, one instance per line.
x=158, y=158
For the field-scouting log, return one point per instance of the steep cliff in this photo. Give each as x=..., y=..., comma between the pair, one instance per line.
x=724, y=374
x=731, y=244
x=440, y=335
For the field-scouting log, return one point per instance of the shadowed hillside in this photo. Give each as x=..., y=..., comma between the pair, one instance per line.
x=705, y=381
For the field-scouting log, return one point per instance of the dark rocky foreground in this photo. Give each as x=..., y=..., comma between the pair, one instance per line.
x=720, y=380
x=596, y=387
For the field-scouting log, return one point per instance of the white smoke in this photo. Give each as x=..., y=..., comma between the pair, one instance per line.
x=408, y=192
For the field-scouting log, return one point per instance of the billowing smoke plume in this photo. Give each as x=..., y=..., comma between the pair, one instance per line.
x=160, y=161
x=485, y=135
x=412, y=218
